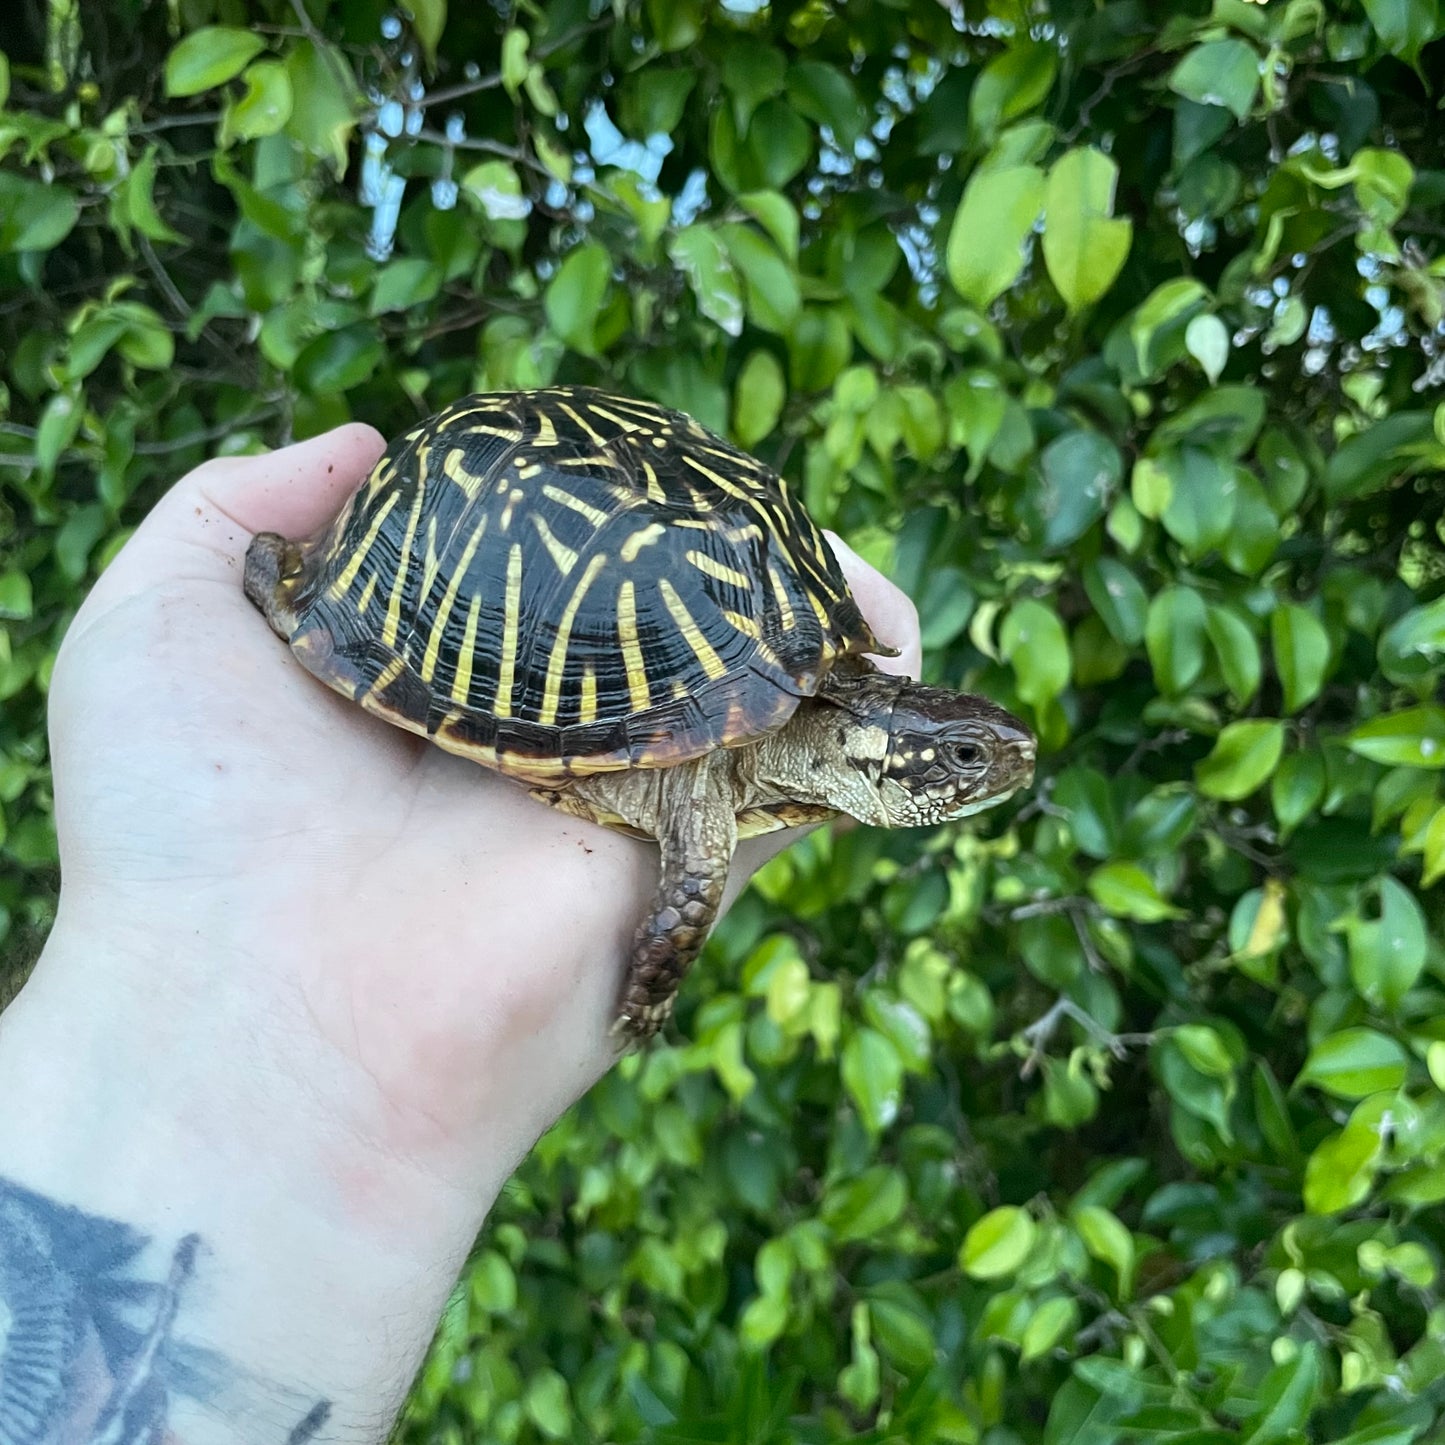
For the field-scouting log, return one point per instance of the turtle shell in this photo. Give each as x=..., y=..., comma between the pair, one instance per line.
x=562, y=582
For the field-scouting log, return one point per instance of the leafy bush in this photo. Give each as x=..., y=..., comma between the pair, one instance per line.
x=1114, y=336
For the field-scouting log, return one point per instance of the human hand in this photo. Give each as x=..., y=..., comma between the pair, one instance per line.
x=369, y=970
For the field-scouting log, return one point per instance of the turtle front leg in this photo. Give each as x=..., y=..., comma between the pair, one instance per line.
x=697, y=832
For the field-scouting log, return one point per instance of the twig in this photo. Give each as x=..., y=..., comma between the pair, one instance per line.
x=169, y=289
x=208, y=434
x=170, y=122
x=492, y=81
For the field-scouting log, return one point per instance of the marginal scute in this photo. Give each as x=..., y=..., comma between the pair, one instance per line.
x=564, y=582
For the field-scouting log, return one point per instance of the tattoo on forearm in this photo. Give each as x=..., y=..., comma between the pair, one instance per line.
x=90, y=1350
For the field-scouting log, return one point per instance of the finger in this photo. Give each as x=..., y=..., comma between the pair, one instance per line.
x=888, y=608
x=204, y=524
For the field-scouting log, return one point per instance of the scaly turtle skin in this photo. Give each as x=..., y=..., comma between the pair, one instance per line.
x=603, y=600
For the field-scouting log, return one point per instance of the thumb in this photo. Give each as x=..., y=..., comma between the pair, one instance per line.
x=201, y=528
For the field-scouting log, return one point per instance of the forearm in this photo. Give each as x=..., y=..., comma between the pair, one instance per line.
x=178, y=1246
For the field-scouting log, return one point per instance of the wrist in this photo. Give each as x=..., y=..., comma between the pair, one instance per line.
x=239, y=1179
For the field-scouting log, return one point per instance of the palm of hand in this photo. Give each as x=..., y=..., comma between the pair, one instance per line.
x=412, y=941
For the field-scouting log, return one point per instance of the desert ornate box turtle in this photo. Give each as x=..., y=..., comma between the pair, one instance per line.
x=601, y=599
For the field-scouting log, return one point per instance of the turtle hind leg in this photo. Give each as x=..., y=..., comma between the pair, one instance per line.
x=273, y=566
x=697, y=834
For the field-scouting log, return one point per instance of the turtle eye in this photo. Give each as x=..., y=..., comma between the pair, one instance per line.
x=967, y=754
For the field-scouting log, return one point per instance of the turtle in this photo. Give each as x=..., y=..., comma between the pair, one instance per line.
x=636, y=620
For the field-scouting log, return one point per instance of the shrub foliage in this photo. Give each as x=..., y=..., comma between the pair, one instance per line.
x=1112, y=329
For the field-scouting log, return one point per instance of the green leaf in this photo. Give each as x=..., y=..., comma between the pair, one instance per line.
x=1341, y=1171
x=698, y=253
x=1206, y=339
x=1200, y=510
x=575, y=294
x=1414, y=738
x=1301, y=654
x=1118, y=597
x=1033, y=639
x=777, y=215
x=133, y=200
x=1084, y=248
x=1287, y=1394
x=34, y=216
x=985, y=251
x=1412, y=648
x=1296, y=788
x=1355, y=1063
x=772, y=293
x=1236, y=649
x=997, y=1244
x=1127, y=891
x=339, y=360
x=209, y=57
x=405, y=283
x=826, y=95
x=549, y=1403
x=1243, y=756
x=1387, y=955
x=759, y=397
x=1405, y=27
x=866, y=1205
x=1220, y=72
x=751, y=73
x=1077, y=471
x=1107, y=1238
x=325, y=104
x=428, y=21
x=1174, y=635
x=1012, y=84
x=264, y=108
x=873, y=1076
x=16, y=599
x=1375, y=457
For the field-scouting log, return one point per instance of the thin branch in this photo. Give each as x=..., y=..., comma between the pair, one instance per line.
x=170, y=122
x=208, y=434
x=169, y=289
x=492, y=81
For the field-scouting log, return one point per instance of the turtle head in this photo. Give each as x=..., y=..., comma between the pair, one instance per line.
x=950, y=754
x=920, y=755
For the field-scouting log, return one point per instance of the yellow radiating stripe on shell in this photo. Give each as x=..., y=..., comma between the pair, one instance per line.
x=546, y=432
x=462, y=682
x=721, y=482
x=614, y=418
x=819, y=611
x=748, y=626
x=593, y=435
x=507, y=675
x=643, y=537
x=720, y=570
x=557, y=663
x=559, y=551
x=386, y=677
x=444, y=610
x=785, y=605
x=431, y=566
x=366, y=593
x=587, y=708
x=393, y=602
x=595, y=515
x=712, y=664
x=381, y=473
x=527, y=470
x=347, y=575
x=510, y=434
x=654, y=487
x=455, y=469
x=637, y=683
x=592, y=461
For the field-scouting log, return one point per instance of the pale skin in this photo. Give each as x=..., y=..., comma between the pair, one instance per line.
x=315, y=987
